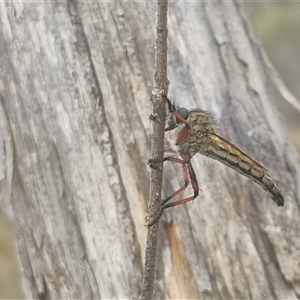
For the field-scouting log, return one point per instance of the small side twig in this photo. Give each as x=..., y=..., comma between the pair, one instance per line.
x=157, y=145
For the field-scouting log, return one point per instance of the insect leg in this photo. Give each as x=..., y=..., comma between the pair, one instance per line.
x=191, y=178
x=180, y=190
x=186, y=181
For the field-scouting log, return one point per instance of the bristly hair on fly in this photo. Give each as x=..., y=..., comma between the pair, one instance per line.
x=213, y=117
x=174, y=104
x=170, y=101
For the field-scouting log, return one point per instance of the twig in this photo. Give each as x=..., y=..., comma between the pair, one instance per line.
x=278, y=83
x=157, y=145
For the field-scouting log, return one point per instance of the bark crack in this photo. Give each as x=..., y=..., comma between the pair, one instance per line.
x=103, y=136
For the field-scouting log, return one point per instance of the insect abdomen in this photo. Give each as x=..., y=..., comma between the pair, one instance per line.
x=222, y=150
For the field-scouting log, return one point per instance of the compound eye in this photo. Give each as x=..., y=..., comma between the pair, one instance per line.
x=183, y=112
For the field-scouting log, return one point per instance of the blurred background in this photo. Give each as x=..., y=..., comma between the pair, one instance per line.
x=277, y=25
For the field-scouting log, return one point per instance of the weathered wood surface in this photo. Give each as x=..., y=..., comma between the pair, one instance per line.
x=75, y=85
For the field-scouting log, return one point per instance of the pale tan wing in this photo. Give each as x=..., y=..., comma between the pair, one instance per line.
x=230, y=155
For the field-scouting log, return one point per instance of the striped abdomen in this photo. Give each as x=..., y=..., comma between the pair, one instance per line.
x=222, y=150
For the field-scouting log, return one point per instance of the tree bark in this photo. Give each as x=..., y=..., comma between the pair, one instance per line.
x=75, y=83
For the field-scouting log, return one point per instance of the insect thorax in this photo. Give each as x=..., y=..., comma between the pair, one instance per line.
x=197, y=140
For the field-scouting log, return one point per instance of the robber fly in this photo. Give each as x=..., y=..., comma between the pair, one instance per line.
x=194, y=133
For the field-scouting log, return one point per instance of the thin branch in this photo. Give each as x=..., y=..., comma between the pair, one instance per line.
x=278, y=83
x=157, y=145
